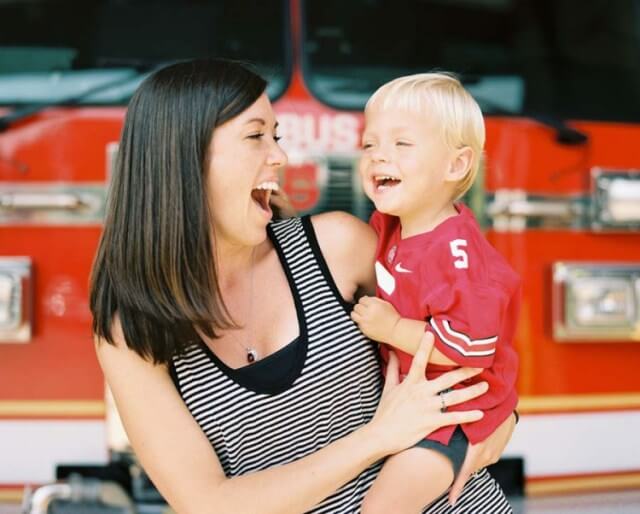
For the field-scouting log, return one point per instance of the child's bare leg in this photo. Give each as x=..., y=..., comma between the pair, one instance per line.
x=408, y=482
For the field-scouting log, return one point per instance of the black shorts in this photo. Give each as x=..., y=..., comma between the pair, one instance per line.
x=455, y=451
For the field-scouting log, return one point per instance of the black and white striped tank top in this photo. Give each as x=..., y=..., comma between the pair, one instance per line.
x=335, y=391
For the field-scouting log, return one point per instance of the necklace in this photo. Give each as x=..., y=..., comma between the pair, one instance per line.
x=251, y=353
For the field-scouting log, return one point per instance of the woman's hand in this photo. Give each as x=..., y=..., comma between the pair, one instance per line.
x=281, y=205
x=482, y=454
x=411, y=409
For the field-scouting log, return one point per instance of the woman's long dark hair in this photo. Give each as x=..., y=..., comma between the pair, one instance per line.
x=155, y=266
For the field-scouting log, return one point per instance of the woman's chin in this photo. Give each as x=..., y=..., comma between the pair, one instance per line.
x=257, y=235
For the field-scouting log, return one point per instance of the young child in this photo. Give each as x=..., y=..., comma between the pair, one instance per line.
x=422, y=145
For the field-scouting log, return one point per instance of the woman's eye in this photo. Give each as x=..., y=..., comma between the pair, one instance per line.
x=256, y=136
x=277, y=138
x=403, y=143
x=366, y=146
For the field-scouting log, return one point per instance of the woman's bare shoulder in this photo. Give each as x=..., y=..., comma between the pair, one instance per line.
x=118, y=360
x=342, y=230
x=348, y=245
x=116, y=340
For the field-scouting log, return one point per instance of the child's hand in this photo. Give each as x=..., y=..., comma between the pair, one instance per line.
x=376, y=318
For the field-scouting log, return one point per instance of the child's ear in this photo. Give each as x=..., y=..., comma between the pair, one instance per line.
x=460, y=164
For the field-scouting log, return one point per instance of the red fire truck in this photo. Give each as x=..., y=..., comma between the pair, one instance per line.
x=559, y=195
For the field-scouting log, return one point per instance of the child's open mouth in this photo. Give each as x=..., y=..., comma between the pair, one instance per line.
x=262, y=194
x=384, y=182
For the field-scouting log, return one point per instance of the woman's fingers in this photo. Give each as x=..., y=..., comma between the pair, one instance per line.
x=465, y=394
x=420, y=359
x=451, y=378
x=457, y=418
x=393, y=372
x=282, y=203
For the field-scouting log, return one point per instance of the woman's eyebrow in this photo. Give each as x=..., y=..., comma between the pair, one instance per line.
x=261, y=121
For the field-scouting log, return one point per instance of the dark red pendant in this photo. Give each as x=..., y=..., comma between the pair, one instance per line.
x=251, y=356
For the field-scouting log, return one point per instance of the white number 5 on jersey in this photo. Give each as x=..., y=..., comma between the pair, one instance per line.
x=462, y=259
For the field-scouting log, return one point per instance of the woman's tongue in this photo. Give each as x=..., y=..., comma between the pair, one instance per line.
x=261, y=198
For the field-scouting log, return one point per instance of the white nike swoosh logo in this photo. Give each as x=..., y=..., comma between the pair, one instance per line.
x=384, y=279
x=400, y=269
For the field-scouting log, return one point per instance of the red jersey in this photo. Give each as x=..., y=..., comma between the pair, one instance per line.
x=452, y=278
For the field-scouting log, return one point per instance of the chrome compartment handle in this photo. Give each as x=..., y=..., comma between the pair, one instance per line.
x=18, y=201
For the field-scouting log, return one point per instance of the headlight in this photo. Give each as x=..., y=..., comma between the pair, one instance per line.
x=15, y=299
x=596, y=301
x=616, y=199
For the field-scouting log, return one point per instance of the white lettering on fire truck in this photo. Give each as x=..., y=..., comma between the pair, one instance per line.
x=318, y=133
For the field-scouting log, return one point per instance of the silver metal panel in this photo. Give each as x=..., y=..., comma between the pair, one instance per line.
x=603, y=215
x=567, y=278
x=17, y=272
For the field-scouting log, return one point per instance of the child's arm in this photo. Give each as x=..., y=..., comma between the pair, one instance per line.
x=380, y=321
x=462, y=311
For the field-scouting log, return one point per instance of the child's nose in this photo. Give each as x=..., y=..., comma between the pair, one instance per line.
x=379, y=156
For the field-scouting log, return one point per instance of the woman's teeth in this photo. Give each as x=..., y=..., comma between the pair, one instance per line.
x=271, y=186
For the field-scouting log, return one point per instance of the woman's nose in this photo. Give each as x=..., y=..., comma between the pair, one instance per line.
x=277, y=156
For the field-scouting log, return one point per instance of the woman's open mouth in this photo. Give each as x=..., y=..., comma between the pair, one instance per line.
x=262, y=194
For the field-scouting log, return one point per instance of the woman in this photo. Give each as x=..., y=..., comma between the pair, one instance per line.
x=229, y=332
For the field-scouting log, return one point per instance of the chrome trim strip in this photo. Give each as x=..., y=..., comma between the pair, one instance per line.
x=52, y=204
x=511, y=210
x=16, y=201
x=514, y=210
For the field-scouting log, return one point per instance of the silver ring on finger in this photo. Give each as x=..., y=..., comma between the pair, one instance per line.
x=443, y=405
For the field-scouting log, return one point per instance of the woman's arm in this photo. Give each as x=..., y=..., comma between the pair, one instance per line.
x=180, y=461
x=348, y=246
x=380, y=321
x=482, y=454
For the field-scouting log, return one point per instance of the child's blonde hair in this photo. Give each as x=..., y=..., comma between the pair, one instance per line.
x=442, y=95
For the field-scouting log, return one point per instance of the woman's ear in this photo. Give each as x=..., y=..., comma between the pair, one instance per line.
x=460, y=164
